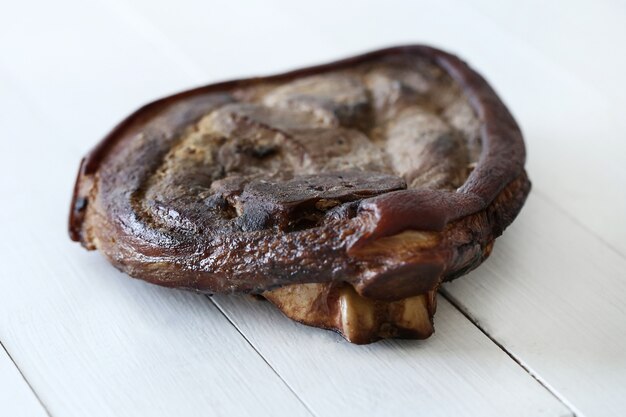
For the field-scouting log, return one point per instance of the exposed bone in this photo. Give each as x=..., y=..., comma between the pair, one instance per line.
x=359, y=319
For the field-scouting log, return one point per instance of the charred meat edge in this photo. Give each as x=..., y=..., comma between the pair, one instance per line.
x=486, y=204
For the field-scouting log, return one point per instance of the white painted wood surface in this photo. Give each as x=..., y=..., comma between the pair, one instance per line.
x=458, y=372
x=92, y=342
x=563, y=318
x=16, y=397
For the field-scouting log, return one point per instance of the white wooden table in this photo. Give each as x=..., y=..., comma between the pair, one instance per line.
x=539, y=330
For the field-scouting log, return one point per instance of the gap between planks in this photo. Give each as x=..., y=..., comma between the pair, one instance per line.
x=511, y=355
x=455, y=305
x=30, y=387
x=221, y=310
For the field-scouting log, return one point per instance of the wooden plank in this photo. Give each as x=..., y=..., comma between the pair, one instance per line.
x=90, y=341
x=16, y=397
x=457, y=372
x=554, y=297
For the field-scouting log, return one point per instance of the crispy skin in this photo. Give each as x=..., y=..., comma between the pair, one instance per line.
x=388, y=172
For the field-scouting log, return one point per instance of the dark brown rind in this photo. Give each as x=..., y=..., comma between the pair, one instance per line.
x=460, y=225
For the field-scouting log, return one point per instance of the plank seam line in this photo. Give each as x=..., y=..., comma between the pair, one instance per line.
x=45, y=409
x=517, y=360
x=261, y=355
x=575, y=220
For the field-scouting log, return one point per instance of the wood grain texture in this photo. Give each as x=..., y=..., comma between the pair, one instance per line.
x=553, y=296
x=16, y=397
x=453, y=373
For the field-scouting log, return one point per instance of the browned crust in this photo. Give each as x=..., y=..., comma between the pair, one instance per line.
x=464, y=223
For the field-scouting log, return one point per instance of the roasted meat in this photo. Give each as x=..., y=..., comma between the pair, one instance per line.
x=344, y=193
